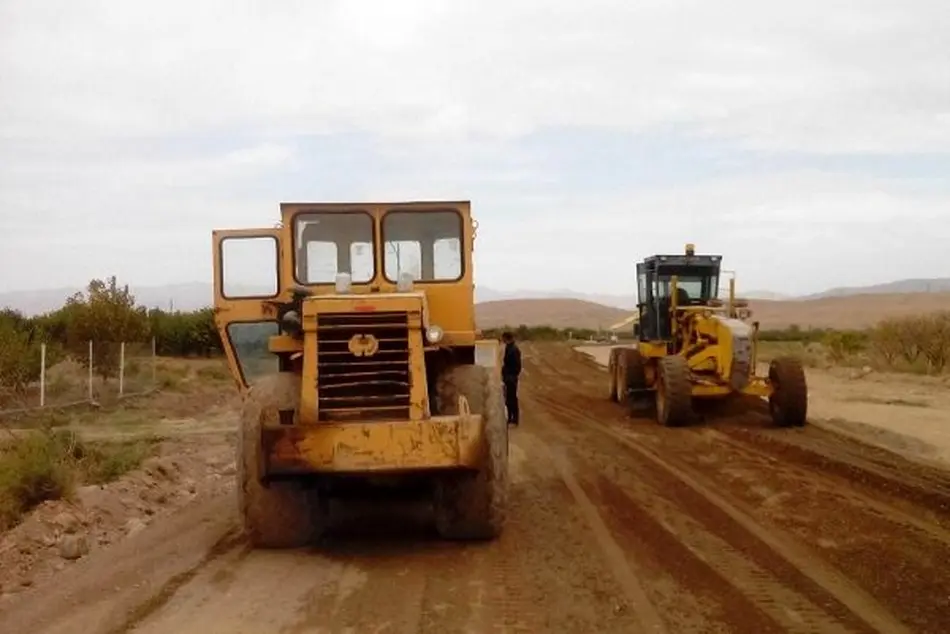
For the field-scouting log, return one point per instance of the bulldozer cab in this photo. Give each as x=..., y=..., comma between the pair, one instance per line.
x=365, y=257
x=697, y=284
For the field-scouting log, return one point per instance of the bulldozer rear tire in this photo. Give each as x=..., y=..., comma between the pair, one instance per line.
x=788, y=403
x=631, y=374
x=472, y=506
x=612, y=374
x=674, y=393
x=282, y=514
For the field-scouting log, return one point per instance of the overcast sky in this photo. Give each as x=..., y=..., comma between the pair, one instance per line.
x=809, y=144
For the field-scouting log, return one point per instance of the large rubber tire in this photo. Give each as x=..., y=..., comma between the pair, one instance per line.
x=473, y=505
x=283, y=514
x=788, y=403
x=631, y=373
x=674, y=393
x=612, y=391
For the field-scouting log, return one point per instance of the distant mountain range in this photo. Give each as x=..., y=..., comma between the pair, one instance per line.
x=195, y=295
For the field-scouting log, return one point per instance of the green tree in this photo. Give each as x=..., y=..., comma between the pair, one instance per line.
x=107, y=316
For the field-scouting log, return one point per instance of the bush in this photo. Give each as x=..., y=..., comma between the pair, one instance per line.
x=910, y=342
x=34, y=468
x=48, y=464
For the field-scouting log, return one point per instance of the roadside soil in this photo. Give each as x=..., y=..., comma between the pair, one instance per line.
x=616, y=525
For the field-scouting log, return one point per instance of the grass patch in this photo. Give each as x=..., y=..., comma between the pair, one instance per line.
x=213, y=373
x=48, y=465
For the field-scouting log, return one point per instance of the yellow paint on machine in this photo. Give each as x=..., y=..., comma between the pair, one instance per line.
x=439, y=442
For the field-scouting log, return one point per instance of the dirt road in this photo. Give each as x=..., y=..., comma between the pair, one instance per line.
x=617, y=525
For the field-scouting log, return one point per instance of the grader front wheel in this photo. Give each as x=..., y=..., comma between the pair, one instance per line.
x=674, y=394
x=788, y=403
x=473, y=505
x=282, y=514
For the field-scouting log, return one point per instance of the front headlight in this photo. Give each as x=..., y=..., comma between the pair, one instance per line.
x=434, y=334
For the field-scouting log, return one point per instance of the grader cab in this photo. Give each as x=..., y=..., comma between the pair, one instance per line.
x=691, y=344
x=350, y=330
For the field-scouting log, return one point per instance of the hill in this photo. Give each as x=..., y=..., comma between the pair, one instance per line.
x=856, y=311
x=560, y=313
x=851, y=311
x=932, y=285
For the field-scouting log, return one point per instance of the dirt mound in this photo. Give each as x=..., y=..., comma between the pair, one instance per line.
x=58, y=533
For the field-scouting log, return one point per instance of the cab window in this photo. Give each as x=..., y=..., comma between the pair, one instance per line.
x=425, y=244
x=326, y=244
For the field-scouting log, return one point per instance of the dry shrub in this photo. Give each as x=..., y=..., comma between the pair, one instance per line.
x=48, y=464
x=920, y=343
x=34, y=468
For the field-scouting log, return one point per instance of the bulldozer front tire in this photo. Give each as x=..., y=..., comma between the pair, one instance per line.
x=282, y=514
x=674, y=393
x=788, y=403
x=472, y=506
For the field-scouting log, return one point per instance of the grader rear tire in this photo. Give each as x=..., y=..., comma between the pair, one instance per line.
x=788, y=403
x=472, y=506
x=674, y=393
x=631, y=373
x=282, y=514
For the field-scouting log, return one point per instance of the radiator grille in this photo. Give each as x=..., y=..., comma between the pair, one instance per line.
x=370, y=387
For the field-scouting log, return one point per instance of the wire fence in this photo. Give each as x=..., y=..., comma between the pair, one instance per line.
x=108, y=371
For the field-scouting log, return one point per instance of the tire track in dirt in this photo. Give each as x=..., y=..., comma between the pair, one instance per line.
x=901, y=479
x=792, y=560
x=877, y=517
x=614, y=555
x=380, y=571
x=742, y=555
x=931, y=527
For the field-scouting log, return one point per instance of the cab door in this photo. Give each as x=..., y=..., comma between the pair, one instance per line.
x=247, y=288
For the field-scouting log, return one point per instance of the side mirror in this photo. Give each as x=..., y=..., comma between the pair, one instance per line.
x=636, y=330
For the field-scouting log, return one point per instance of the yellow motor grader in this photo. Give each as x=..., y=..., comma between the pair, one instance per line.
x=691, y=344
x=350, y=329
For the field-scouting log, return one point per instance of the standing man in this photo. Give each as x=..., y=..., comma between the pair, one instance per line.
x=510, y=371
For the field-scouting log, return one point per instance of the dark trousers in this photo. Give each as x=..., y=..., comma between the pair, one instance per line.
x=511, y=398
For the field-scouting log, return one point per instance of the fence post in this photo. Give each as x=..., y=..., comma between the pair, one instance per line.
x=154, y=365
x=42, y=375
x=90, y=370
x=121, y=369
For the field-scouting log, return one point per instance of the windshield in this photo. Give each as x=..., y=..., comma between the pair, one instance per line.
x=331, y=243
x=428, y=245
x=698, y=283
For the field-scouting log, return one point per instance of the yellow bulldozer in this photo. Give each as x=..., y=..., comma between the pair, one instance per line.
x=350, y=330
x=692, y=344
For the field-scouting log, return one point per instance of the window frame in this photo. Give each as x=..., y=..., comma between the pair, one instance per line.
x=295, y=244
x=234, y=351
x=222, y=262
x=463, y=248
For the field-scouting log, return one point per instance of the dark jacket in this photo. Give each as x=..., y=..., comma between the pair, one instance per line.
x=511, y=364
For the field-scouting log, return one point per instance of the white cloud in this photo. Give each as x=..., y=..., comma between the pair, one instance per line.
x=126, y=135
x=862, y=75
